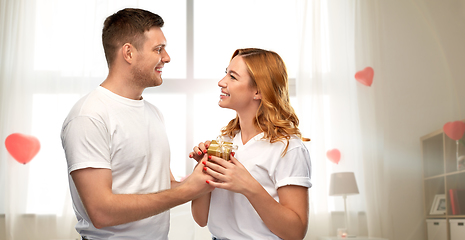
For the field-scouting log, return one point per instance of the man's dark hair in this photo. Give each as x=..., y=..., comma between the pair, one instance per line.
x=127, y=26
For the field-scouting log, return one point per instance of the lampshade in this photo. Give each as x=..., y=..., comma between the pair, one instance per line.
x=343, y=183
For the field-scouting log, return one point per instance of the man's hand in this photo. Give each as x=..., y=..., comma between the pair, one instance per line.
x=197, y=181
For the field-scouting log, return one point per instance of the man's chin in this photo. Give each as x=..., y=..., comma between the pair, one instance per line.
x=157, y=82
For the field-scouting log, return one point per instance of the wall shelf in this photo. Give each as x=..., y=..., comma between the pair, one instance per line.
x=440, y=174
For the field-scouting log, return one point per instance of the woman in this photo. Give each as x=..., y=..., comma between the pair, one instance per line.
x=262, y=191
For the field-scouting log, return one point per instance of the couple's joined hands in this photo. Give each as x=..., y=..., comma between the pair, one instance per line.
x=197, y=181
x=230, y=175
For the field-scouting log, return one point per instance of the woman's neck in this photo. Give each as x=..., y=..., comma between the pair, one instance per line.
x=248, y=128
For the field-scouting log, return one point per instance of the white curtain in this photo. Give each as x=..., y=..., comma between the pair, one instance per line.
x=50, y=56
x=26, y=192
x=47, y=66
x=339, y=38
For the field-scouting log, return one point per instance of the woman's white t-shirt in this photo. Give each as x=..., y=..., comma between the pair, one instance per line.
x=231, y=216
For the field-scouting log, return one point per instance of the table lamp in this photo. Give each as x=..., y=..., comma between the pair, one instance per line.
x=343, y=184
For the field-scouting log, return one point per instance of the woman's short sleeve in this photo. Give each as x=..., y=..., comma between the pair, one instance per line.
x=294, y=168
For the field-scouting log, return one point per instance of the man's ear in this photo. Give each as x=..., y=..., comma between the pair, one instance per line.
x=128, y=52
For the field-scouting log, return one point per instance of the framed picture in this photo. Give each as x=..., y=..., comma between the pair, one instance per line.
x=439, y=205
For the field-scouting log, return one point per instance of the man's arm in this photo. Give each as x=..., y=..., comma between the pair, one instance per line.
x=174, y=183
x=107, y=209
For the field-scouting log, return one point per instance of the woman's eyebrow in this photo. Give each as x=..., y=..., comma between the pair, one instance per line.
x=232, y=71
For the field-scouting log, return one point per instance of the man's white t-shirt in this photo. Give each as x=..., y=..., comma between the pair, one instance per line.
x=105, y=130
x=231, y=216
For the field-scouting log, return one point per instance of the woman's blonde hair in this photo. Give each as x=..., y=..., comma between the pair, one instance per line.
x=275, y=115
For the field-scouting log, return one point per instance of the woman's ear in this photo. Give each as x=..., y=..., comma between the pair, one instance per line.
x=257, y=95
x=128, y=50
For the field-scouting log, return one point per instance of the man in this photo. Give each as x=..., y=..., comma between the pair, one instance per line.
x=115, y=142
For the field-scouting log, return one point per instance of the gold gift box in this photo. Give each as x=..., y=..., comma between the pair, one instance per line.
x=220, y=149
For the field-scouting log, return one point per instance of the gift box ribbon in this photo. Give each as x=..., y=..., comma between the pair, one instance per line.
x=220, y=148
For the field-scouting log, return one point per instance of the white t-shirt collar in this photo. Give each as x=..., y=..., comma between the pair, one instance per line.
x=114, y=96
x=257, y=137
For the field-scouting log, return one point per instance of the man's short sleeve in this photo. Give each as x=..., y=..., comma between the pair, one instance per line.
x=86, y=142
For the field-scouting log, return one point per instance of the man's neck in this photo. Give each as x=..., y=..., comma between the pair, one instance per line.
x=122, y=87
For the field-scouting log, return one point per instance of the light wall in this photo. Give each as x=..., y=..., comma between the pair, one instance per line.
x=420, y=86
x=423, y=87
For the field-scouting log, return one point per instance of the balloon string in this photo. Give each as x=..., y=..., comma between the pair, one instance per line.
x=457, y=153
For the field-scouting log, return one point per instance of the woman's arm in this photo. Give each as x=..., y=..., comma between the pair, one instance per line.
x=287, y=219
x=200, y=208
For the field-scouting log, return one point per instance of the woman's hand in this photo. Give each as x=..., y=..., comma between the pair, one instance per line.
x=230, y=175
x=199, y=151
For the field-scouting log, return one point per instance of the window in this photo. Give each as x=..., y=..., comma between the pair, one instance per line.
x=220, y=27
x=69, y=61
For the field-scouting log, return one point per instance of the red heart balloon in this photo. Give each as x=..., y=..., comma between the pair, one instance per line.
x=454, y=130
x=22, y=147
x=334, y=155
x=365, y=76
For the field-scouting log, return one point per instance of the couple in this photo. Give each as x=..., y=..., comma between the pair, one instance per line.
x=119, y=160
